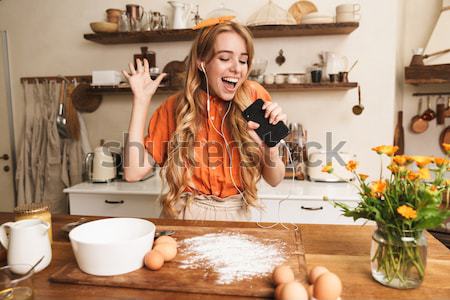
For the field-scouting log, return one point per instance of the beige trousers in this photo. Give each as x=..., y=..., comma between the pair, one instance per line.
x=211, y=208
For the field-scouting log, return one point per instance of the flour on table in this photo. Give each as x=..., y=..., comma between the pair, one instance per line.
x=233, y=256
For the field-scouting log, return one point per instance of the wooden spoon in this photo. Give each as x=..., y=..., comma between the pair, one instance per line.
x=418, y=125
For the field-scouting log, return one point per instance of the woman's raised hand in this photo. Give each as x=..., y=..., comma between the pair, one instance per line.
x=142, y=86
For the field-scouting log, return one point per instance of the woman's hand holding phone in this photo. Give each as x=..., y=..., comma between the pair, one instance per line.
x=142, y=86
x=264, y=123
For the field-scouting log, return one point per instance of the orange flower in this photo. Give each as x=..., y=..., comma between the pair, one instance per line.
x=440, y=161
x=351, y=165
x=413, y=175
x=393, y=168
x=388, y=150
x=422, y=161
x=424, y=173
x=363, y=176
x=378, y=187
x=407, y=212
x=400, y=160
x=328, y=168
x=446, y=147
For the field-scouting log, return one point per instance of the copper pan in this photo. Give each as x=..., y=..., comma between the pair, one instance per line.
x=418, y=125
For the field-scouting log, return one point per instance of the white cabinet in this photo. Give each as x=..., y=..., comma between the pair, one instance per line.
x=302, y=212
x=140, y=199
x=115, y=205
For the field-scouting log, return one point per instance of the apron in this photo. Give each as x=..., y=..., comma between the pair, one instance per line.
x=211, y=208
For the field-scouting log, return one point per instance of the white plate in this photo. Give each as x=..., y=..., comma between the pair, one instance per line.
x=317, y=21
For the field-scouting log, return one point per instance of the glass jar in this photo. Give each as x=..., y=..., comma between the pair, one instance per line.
x=398, y=257
x=35, y=211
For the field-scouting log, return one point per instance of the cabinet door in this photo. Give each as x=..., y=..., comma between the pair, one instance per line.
x=143, y=206
x=302, y=211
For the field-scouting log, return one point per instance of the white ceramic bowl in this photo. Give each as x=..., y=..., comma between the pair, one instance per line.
x=112, y=246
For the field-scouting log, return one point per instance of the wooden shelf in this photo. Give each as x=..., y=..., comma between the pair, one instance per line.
x=434, y=74
x=264, y=31
x=306, y=87
x=303, y=87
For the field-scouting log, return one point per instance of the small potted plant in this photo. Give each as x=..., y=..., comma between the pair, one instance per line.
x=404, y=204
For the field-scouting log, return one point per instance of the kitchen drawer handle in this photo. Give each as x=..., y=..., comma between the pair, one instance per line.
x=115, y=202
x=311, y=208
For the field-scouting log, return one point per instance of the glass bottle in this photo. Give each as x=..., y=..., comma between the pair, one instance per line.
x=124, y=24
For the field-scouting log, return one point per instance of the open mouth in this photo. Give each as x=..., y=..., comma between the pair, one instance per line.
x=230, y=82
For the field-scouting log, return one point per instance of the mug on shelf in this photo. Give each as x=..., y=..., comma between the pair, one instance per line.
x=269, y=79
x=280, y=78
x=348, y=13
x=353, y=8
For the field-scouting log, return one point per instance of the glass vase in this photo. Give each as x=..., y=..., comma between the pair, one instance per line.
x=398, y=257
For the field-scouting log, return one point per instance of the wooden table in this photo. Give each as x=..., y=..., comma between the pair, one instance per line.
x=342, y=249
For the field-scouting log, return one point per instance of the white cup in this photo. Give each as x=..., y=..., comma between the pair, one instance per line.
x=280, y=78
x=355, y=7
x=293, y=79
x=343, y=17
x=269, y=79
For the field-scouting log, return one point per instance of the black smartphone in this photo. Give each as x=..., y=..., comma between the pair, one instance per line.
x=269, y=133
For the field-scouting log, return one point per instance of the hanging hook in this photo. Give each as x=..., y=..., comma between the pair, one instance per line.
x=64, y=78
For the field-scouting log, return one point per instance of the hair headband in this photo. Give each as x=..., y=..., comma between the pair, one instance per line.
x=212, y=21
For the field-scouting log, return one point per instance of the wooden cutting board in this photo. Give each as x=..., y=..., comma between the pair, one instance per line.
x=172, y=278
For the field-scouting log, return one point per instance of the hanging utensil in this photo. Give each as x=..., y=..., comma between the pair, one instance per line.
x=418, y=125
x=444, y=138
x=72, y=122
x=60, y=119
x=399, y=135
x=84, y=101
x=358, y=109
x=440, y=109
x=428, y=114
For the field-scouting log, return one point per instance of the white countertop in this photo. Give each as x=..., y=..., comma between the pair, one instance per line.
x=296, y=190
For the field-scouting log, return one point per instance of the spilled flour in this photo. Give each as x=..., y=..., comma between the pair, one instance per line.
x=233, y=256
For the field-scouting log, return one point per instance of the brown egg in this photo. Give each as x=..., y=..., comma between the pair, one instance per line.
x=154, y=260
x=316, y=272
x=327, y=287
x=278, y=291
x=165, y=239
x=293, y=290
x=169, y=251
x=282, y=274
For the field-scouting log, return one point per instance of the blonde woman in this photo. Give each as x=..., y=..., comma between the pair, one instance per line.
x=211, y=157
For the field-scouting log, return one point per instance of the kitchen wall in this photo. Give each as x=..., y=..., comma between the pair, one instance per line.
x=421, y=17
x=46, y=38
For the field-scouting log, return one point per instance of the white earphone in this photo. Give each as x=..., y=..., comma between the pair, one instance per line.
x=202, y=65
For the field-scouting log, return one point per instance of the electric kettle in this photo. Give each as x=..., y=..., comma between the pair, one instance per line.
x=100, y=165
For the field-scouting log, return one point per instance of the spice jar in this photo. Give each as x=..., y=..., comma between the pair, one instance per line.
x=35, y=211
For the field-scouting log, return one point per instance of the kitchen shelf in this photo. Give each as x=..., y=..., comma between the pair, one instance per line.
x=263, y=31
x=433, y=74
x=303, y=87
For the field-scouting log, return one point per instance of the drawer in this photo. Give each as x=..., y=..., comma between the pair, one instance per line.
x=143, y=206
x=303, y=212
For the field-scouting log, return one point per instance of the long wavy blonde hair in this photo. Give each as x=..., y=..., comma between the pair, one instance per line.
x=191, y=111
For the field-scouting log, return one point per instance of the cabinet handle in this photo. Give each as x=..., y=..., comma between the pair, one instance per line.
x=115, y=202
x=312, y=208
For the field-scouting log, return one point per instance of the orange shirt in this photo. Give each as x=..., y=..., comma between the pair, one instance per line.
x=211, y=175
